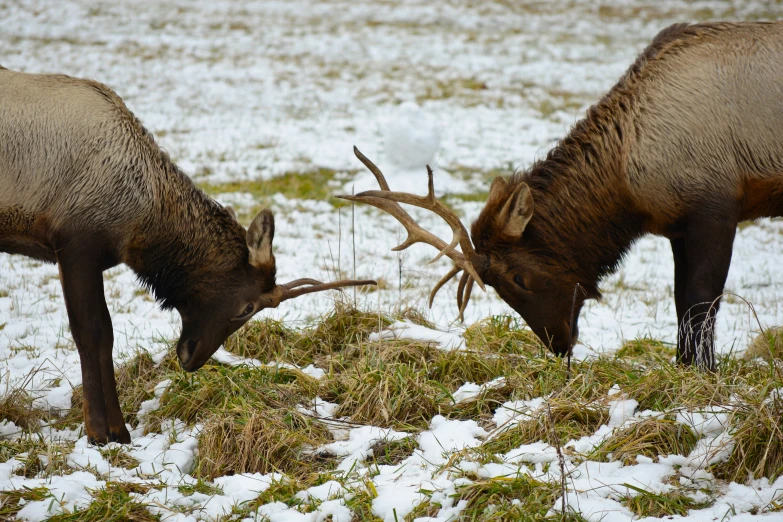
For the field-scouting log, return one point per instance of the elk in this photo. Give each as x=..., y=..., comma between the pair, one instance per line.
x=686, y=145
x=84, y=185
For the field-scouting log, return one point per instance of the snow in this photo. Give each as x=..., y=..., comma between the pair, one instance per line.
x=241, y=91
x=405, y=330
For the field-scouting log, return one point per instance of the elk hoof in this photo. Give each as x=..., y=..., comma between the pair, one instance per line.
x=120, y=435
x=98, y=441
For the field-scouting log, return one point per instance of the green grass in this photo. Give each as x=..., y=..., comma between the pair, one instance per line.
x=509, y=499
x=318, y=184
x=648, y=504
x=10, y=500
x=111, y=503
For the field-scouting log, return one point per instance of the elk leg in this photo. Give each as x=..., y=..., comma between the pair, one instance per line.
x=680, y=285
x=709, y=244
x=117, y=430
x=82, y=283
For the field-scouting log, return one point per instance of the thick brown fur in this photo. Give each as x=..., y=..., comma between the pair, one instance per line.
x=685, y=145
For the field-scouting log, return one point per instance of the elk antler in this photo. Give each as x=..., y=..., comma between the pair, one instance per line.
x=286, y=291
x=292, y=289
x=389, y=201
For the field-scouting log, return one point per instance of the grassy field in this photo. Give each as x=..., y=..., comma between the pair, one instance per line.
x=259, y=419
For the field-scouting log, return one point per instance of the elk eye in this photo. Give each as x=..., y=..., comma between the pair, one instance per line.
x=519, y=282
x=247, y=311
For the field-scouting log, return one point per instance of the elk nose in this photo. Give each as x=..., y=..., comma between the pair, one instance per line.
x=186, y=350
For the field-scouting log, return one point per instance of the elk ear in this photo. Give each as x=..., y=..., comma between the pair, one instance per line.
x=517, y=211
x=497, y=188
x=232, y=212
x=260, y=234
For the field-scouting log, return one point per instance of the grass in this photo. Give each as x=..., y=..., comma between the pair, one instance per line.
x=217, y=389
x=647, y=350
x=503, y=334
x=650, y=438
x=318, y=184
x=250, y=418
x=262, y=441
x=111, y=503
x=757, y=432
x=648, y=504
x=38, y=456
x=767, y=345
x=567, y=420
x=392, y=452
x=269, y=340
x=393, y=395
x=12, y=501
x=16, y=406
x=519, y=498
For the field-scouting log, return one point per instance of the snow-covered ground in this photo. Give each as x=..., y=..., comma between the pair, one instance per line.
x=252, y=90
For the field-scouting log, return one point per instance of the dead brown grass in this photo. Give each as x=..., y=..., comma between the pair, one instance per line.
x=767, y=345
x=261, y=441
x=650, y=438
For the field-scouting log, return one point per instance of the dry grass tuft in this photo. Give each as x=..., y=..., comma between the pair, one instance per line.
x=118, y=457
x=263, y=441
x=650, y=437
x=38, y=456
x=569, y=420
x=266, y=340
x=757, y=432
x=503, y=334
x=667, y=387
x=17, y=406
x=392, y=452
x=512, y=499
x=112, y=503
x=647, y=350
x=482, y=407
x=13, y=500
x=215, y=390
x=648, y=504
x=394, y=395
x=767, y=345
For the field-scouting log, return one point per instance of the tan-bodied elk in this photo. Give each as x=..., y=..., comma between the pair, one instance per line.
x=84, y=185
x=686, y=145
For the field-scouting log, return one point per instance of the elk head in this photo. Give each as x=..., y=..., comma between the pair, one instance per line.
x=231, y=297
x=502, y=258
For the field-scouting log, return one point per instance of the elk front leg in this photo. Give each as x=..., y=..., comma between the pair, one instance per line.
x=709, y=243
x=82, y=282
x=117, y=430
x=680, y=286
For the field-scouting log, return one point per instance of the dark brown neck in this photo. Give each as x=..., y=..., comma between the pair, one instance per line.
x=186, y=237
x=584, y=211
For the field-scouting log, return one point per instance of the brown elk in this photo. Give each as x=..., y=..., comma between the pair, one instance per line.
x=686, y=145
x=84, y=185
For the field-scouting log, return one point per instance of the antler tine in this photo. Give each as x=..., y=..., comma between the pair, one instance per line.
x=294, y=288
x=445, y=279
x=465, y=299
x=387, y=200
x=372, y=167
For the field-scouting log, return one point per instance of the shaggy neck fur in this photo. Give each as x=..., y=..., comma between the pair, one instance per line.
x=584, y=219
x=188, y=245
